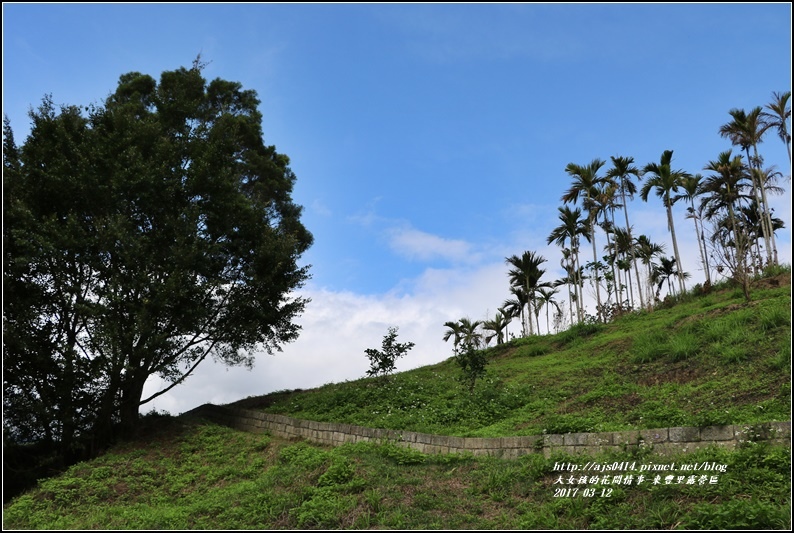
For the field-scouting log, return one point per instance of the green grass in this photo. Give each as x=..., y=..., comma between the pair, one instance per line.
x=713, y=359
x=192, y=475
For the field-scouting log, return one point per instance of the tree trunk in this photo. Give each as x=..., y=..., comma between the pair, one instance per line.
x=675, y=246
x=131, y=393
x=760, y=200
x=595, y=267
x=700, y=247
x=633, y=255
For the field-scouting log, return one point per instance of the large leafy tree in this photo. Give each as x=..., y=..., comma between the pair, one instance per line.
x=141, y=236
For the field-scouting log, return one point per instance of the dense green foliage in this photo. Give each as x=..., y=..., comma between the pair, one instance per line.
x=709, y=359
x=187, y=475
x=140, y=237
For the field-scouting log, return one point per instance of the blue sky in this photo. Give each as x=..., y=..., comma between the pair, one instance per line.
x=429, y=140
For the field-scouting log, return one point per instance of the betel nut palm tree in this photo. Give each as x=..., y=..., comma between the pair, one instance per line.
x=646, y=251
x=547, y=299
x=453, y=332
x=722, y=192
x=665, y=181
x=585, y=180
x=622, y=170
x=526, y=274
x=746, y=130
x=778, y=116
x=572, y=227
x=691, y=187
x=514, y=307
x=497, y=325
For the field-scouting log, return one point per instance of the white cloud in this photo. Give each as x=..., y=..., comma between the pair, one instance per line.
x=338, y=327
x=415, y=244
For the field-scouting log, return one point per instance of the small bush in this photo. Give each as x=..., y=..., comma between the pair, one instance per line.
x=382, y=362
x=339, y=472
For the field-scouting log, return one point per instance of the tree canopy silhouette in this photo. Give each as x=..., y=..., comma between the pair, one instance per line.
x=141, y=236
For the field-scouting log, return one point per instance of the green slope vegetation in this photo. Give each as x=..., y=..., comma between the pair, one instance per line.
x=710, y=360
x=184, y=474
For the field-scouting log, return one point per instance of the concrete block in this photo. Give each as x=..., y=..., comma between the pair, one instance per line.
x=684, y=434
x=654, y=436
x=620, y=438
x=716, y=433
x=553, y=440
x=424, y=438
x=439, y=440
x=574, y=439
x=458, y=443
x=598, y=439
x=474, y=443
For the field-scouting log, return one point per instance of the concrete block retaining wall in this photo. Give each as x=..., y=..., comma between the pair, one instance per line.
x=664, y=441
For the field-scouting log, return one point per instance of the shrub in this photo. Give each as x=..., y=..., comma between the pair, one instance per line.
x=472, y=362
x=382, y=362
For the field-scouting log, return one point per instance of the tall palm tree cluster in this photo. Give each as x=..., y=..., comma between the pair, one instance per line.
x=734, y=228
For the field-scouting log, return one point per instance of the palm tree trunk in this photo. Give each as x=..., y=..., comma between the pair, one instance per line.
x=629, y=282
x=705, y=254
x=767, y=214
x=633, y=255
x=700, y=248
x=577, y=283
x=671, y=227
x=595, y=266
x=760, y=201
x=741, y=255
x=548, y=329
x=571, y=279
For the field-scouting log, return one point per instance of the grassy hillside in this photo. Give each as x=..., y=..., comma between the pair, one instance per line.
x=710, y=360
x=186, y=474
